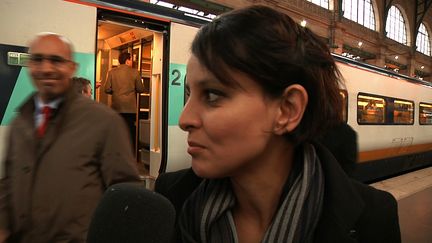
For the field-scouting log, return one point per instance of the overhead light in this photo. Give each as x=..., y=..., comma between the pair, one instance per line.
x=422, y=67
x=360, y=44
x=303, y=23
x=396, y=57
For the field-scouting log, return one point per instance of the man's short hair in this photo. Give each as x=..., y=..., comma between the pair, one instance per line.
x=80, y=84
x=123, y=57
x=61, y=37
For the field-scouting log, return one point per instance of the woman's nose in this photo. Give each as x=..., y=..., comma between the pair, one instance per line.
x=189, y=117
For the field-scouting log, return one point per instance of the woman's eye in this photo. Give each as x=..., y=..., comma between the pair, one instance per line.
x=213, y=96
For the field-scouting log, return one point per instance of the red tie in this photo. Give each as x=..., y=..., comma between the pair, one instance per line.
x=46, y=111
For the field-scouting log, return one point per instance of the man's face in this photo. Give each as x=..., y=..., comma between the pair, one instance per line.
x=51, y=66
x=88, y=91
x=129, y=62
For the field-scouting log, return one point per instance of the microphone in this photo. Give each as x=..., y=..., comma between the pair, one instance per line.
x=129, y=213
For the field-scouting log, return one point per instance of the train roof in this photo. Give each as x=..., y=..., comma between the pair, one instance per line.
x=379, y=70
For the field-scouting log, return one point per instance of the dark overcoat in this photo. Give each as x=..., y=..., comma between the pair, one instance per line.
x=352, y=211
x=53, y=184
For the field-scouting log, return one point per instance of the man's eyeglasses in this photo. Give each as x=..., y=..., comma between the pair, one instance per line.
x=53, y=59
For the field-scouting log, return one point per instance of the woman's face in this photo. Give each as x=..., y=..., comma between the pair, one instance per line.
x=229, y=127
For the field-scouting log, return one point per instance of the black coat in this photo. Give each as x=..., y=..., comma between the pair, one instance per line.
x=341, y=141
x=352, y=212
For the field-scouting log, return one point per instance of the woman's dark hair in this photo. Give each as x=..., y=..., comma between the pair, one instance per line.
x=275, y=52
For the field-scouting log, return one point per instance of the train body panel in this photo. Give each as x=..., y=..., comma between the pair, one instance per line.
x=181, y=39
x=385, y=140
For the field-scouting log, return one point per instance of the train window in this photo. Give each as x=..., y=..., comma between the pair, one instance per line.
x=370, y=109
x=425, y=114
x=344, y=95
x=403, y=112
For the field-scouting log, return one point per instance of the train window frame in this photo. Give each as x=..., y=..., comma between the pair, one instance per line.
x=344, y=94
x=406, y=102
x=375, y=98
x=388, y=109
x=426, y=104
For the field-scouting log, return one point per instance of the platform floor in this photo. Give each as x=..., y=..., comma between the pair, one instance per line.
x=413, y=191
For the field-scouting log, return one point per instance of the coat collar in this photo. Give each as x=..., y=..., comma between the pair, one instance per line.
x=342, y=206
x=27, y=112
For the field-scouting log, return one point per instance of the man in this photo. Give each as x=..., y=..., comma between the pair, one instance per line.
x=123, y=82
x=82, y=86
x=58, y=163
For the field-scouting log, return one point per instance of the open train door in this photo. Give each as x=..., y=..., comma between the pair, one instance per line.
x=145, y=40
x=181, y=37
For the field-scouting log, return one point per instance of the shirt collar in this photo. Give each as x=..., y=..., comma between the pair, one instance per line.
x=52, y=104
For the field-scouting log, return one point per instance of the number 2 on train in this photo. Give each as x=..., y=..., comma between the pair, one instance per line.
x=177, y=76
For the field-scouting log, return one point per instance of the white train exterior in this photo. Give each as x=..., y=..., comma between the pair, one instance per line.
x=384, y=149
x=388, y=148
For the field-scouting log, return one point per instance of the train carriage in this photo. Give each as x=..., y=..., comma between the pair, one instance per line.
x=391, y=114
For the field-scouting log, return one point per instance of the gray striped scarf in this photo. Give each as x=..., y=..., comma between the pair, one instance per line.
x=206, y=215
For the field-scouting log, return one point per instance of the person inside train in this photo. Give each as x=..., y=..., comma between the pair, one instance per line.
x=82, y=86
x=124, y=83
x=57, y=164
x=262, y=88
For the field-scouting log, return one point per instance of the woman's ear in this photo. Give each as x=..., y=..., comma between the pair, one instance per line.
x=292, y=106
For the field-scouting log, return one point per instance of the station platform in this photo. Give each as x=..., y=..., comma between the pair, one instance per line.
x=413, y=192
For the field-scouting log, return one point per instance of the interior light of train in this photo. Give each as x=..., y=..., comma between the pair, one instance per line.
x=362, y=103
x=402, y=102
x=370, y=98
x=425, y=105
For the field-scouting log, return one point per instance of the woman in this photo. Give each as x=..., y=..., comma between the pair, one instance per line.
x=261, y=89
